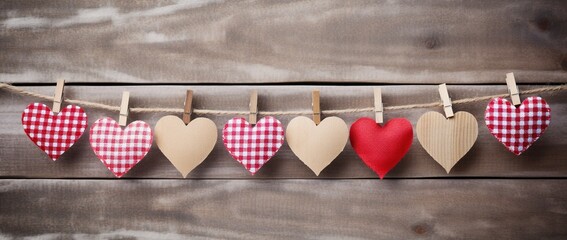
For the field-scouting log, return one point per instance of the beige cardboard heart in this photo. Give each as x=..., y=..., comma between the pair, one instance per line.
x=447, y=140
x=186, y=146
x=317, y=145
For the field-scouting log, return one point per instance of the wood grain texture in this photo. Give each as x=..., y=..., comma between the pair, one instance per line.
x=488, y=158
x=284, y=209
x=447, y=140
x=323, y=42
x=219, y=41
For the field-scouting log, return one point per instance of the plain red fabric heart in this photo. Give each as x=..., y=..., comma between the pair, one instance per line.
x=54, y=134
x=381, y=148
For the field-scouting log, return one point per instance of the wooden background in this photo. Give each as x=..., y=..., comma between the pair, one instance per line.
x=284, y=49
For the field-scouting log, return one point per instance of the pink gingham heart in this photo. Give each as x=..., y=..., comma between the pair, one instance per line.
x=253, y=146
x=54, y=134
x=517, y=128
x=120, y=150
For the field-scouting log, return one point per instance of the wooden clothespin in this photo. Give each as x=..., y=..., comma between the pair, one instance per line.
x=58, y=99
x=316, y=104
x=446, y=100
x=123, y=119
x=253, y=117
x=187, y=108
x=513, y=89
x=378, y=106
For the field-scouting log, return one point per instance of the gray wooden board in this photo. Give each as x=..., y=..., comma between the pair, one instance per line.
x=283, y=41
x=322, y=42
x=488, y=158
x=284, y=209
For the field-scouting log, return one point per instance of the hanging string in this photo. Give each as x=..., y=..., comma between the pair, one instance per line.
x=22, y=92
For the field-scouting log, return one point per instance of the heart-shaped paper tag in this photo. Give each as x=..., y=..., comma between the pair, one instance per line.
x=317, y=145
x=118, y=149
x=253, y=146
x=381, y=147
x=447, y=140
x=517, y=128
x=186, y=146
x=54, y=134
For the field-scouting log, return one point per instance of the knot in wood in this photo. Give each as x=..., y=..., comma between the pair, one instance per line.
x=431, y=42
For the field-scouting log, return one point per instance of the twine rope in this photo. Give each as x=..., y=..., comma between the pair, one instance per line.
x=23, y=92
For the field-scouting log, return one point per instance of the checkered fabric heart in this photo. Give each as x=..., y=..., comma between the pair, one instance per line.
x=517, y=128
x=120, y=149
x=253, y=146
x=54, y=134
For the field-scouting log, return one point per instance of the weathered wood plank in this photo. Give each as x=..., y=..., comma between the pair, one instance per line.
x=20, y=158
x=283, y=41
x=284, y=209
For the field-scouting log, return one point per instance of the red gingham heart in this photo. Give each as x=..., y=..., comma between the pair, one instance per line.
x=54, y=134
x=253, y=146
x=120, y=149
x=517, y=128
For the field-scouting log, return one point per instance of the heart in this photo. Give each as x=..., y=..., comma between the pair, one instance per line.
x=253, y=146
x=186, y=146
x=381, y=147
x=447, y=140
x=517, y=128
x=54, y=134
x=317, y=145
x=120, y=150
